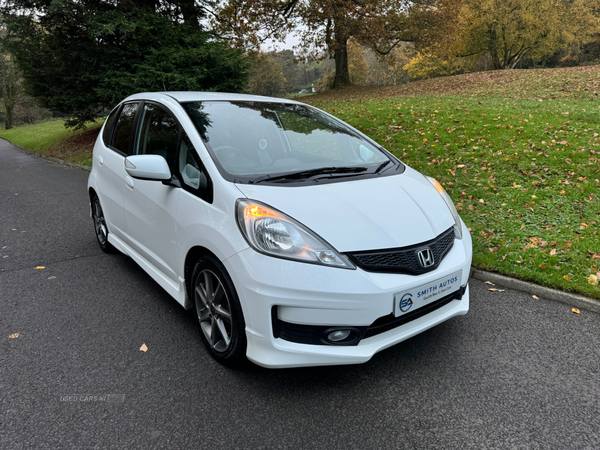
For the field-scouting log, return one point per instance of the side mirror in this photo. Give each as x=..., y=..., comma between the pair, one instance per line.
x=148, y=167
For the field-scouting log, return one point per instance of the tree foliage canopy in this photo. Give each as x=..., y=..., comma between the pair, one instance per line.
x=328, y=25
x=81, y=57
x=509, y=30
x=266, y=76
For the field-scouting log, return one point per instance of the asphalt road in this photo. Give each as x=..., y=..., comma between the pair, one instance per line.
x=515, y=372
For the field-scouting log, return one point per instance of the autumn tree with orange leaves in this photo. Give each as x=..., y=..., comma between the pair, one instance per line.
x=328, y=25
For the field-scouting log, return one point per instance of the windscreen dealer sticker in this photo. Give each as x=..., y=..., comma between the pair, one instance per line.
x=418, y=296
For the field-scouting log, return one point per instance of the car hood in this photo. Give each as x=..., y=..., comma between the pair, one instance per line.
x=375, y=213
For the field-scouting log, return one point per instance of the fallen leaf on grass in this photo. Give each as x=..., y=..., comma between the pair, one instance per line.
x=553, y=252
x=536, y=297
x=576, y=311
x=594, y=255
x=543, y=266
x=40, y=267
x=14, y=336
x=490, y=283
x=593, y=280
x=144, y=348
x=568, y=277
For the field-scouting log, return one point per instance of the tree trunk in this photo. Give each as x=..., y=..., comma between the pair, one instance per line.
x=8, y=121
x=493, y=48
x=340, y=55
x=8, y=88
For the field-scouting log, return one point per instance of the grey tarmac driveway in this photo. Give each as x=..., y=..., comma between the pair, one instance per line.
x=514, y=373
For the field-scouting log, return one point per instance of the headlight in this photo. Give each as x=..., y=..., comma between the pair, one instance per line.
x=457, y=225
x=273, y=233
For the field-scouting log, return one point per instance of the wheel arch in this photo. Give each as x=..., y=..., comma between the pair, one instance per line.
x=91, y=193
x=192, y=256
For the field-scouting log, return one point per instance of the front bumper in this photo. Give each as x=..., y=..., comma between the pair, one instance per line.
x=273, y=290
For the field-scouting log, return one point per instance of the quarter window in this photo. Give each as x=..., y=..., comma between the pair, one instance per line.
x=194, y=177
x=108, y=127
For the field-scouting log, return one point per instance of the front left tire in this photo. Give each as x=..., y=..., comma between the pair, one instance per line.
x=218, y=312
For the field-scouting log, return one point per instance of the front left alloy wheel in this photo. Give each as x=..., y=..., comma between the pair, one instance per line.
x=218, y=312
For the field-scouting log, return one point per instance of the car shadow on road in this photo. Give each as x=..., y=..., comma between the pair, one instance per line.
x=418, y=355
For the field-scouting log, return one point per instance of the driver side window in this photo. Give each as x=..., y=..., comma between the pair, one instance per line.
x=159, y=134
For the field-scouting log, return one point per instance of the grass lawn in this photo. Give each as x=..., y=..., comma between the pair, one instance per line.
x=518, y=152
x=53, y=139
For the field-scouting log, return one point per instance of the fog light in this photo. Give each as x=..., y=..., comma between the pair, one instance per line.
x=338, y=335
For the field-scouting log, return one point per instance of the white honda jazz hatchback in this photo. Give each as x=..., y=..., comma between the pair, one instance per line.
x=296, y=239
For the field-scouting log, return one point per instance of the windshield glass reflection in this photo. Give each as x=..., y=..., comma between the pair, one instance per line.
x=258, y=138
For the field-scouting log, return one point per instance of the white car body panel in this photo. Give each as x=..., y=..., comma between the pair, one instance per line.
x=109, y=172
x=361, y=215
x=150, y=214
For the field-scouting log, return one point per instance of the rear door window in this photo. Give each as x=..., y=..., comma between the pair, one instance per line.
x=125, y=129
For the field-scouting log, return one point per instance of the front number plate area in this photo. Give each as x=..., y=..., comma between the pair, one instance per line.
x=415, y=298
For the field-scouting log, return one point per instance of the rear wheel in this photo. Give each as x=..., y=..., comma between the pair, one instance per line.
x=100, y=225
x=218, y=312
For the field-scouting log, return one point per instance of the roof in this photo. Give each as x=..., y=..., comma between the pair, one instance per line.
x=190, y=96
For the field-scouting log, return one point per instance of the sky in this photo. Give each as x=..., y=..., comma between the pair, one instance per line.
x=288, y=44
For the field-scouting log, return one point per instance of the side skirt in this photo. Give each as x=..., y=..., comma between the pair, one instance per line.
x=174, y=289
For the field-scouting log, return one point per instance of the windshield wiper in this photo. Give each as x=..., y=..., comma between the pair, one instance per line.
x=309, y=173
x=382, y=165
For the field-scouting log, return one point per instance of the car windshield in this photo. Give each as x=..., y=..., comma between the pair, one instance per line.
x=260, y=141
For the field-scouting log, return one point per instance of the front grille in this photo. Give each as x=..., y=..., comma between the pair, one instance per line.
x=404, y=259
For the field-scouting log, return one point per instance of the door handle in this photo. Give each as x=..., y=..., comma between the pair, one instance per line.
x=129, y=182
x=100, y=160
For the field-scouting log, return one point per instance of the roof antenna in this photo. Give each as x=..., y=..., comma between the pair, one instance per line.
x=164, y=87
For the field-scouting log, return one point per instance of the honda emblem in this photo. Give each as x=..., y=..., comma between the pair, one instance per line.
x=426, y=258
